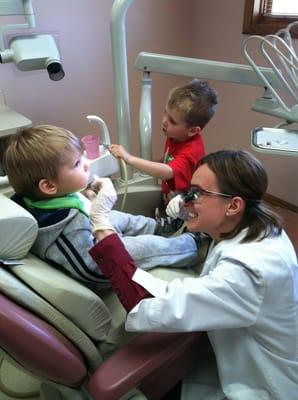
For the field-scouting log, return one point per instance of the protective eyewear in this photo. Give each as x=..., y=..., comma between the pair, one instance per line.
x=195, y=192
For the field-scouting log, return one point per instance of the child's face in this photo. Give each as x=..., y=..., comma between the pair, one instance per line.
x=73, y=176
x=174, y=126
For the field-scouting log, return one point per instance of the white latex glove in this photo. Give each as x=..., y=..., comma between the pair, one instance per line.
x=102, y=204
x=175, y=208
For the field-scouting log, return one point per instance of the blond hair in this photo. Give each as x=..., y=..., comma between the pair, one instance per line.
x=36, y=153
x=196, y=102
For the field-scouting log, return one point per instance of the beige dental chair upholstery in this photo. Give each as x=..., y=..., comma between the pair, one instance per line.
x=56, y=334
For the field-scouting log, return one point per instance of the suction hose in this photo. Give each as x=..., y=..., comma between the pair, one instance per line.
x=124, y=168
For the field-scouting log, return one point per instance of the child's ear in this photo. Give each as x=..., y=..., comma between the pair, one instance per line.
x=47, y=187
x=194, y=130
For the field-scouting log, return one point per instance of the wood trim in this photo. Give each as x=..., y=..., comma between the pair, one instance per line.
x=276, y=201
x=255, y=23
x=251, y=14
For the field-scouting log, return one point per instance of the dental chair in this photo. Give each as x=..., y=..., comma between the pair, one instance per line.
x=59, y=340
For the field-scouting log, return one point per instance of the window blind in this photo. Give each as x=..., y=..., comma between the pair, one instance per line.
x=267, y=7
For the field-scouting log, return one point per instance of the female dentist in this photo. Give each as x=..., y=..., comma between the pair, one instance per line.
x=246, y=296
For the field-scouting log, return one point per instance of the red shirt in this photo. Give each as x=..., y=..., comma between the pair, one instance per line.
x=117, y=265
x=183, y=158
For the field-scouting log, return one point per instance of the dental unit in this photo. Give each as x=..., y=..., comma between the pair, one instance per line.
x=274, y=140
x=280, y=75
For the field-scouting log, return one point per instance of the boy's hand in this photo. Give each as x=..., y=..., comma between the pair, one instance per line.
x=102, y=204
x=118, y=151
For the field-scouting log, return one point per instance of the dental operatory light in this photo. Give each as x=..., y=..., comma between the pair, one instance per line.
x=282, y=100
x=29, y=52
x=280, y=55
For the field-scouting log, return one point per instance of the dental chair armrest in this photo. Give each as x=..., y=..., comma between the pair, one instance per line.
x=152, y=363
x=37, y=346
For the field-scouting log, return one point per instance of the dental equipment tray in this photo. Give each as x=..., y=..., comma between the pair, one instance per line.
x=275, y=140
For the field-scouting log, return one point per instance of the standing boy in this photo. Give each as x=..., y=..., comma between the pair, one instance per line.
x=188, y=109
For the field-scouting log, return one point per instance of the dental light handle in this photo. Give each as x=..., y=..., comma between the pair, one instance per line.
x=105, y=138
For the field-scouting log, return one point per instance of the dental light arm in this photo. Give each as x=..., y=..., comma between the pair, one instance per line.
x=16, y=7
x=277, y=141
x=279, y=77
x=31, y=52
x=204, y=69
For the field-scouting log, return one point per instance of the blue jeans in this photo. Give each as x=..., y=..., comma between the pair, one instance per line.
x=149, y=250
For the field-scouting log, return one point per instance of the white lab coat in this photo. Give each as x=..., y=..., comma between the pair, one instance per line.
x=246, y=300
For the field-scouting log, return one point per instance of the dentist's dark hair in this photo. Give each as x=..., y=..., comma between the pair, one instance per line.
x=239, y=173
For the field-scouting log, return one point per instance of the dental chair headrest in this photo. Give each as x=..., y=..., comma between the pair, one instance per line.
x=18, y=230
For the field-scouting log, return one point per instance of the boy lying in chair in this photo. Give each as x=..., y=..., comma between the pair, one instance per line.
x=47, y=169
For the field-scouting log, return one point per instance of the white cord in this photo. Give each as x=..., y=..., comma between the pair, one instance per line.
x=124, y=167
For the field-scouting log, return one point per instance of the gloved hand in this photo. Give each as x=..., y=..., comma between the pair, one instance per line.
x=102, y=204
x=175, y=208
